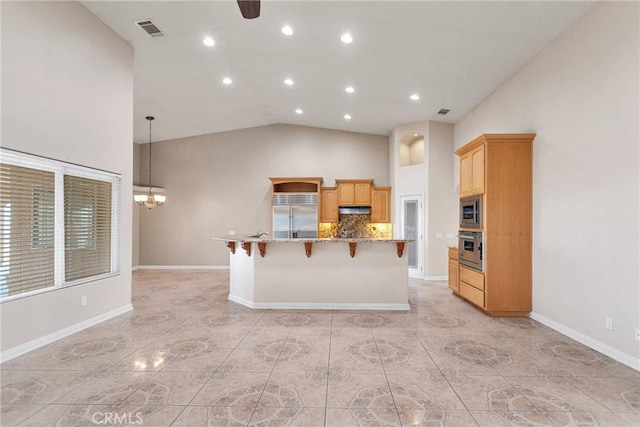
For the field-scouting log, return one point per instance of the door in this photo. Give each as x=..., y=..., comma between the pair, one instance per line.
x=411, y=220
x=304, y=221
x=477, y=170
x=465, y=175
x=281, y=222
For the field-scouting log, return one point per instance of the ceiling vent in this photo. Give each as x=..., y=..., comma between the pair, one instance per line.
x=149, y=27
x=443, y=111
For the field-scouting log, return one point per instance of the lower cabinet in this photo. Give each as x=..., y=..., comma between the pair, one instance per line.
x=472, y=286
x=454, y=284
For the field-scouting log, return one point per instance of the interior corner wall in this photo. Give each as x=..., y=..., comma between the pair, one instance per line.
x=220, y=182
x=135, y=217
x=581, y=96
x=67, y=94
x=442, y=215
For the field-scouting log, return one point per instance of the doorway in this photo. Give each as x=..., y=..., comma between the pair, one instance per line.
x=411, y=226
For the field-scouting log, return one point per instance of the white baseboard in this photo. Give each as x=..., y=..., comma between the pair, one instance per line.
x=135, y=268
x=317, y=305
x=436, y=278
x=241, y=301
x=183, y=267
x=62, y=333
x=605, y=349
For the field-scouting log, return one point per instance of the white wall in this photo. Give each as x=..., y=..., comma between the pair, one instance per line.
x=135, y=242
x=416, y=152
x=581, y=96
x=220, y=182
x=442, y=203
x=67, y=94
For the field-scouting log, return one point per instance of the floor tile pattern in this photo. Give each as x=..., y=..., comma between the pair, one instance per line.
x=186, y=356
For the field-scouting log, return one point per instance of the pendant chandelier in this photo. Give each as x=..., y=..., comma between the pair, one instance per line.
x=150, y=200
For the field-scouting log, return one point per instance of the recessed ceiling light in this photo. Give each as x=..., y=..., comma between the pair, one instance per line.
x=299, y=111
x=227, y=81
x=208, y=41
x=349, y=89
x=414, y=97
x=288, y=82
x=347, y=116
x=287, y=30
x=346, y=38
x=415, y=134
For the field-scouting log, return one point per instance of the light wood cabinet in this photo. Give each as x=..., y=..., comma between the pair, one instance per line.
x=472, y=172
x=453, y=271
x=328, y=204
x=500, y=167
x=296, y=184
x=346, y=194
x=380, y=204
x=477, y=171
x=354, y=192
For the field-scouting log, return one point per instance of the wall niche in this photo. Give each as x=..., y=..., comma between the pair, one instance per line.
x=411, y=149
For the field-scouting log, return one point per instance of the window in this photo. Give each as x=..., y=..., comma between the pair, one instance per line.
x=27, y=226
x=87, y=227
x=58, y=224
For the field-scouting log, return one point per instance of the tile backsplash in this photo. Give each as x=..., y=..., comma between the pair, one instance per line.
x=352, y=226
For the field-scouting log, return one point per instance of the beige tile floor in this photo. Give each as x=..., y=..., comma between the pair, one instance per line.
x=185, y=356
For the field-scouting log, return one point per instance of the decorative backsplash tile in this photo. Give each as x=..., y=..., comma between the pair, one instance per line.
x=354, y=226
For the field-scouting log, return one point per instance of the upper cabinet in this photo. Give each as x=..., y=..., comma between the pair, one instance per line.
x=380, y=204
x=296, y=185
x=354, y=192
x=472, y=171
x=328, y=211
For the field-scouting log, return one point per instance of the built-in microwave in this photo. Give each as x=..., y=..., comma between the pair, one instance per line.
x=470, y=249
x=471, y=212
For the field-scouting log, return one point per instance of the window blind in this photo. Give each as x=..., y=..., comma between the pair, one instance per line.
x=87, y=227
x=27, y=228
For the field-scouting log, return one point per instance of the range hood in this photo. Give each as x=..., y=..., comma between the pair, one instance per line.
x=354, y=210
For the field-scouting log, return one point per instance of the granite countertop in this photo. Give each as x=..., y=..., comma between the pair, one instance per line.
x=245, y=238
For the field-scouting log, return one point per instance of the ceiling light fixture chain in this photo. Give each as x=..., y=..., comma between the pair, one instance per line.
x=151, y=119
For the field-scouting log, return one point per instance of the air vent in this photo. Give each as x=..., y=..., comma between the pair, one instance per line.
x=443, y=111
x=149, y=27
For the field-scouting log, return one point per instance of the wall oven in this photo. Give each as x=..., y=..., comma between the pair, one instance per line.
x=470, y=249
x=471, y=212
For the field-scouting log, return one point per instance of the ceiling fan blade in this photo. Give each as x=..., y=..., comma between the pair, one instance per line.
x=250, y=8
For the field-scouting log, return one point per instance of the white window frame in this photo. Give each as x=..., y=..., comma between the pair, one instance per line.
x=60, y=169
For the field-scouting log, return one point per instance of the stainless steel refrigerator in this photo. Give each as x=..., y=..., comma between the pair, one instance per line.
x=295, y=216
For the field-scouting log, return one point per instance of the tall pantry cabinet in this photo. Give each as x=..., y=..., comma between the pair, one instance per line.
x=499, y=167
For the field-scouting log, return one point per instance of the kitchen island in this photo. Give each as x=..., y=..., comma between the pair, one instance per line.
x=350, y=274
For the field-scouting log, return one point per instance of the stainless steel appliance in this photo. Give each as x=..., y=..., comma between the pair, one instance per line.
x=354, y=210
x=471, y=212
x=470, y=249
x=295, y=216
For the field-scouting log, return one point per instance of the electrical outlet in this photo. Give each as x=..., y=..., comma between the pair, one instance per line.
x=83, y=301
x=637, y=334
x=608, y=323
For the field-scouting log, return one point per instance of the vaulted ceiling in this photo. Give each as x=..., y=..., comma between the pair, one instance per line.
x=451, y=54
